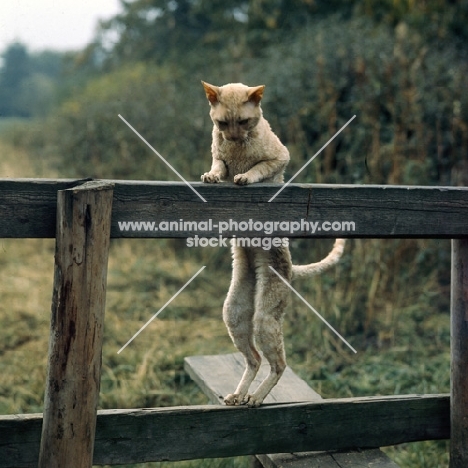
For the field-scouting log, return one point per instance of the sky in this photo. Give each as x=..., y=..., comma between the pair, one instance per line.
x=52, y=24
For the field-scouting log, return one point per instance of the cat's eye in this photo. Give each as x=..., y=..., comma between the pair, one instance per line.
x=222, y=124
x=243, y=122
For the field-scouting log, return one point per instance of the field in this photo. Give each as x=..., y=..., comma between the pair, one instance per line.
x=402, y=334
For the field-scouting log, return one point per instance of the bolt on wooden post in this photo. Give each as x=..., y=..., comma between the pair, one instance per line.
x=459, y=355
x=76, y=329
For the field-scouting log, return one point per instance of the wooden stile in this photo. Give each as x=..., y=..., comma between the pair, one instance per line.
x=80, y=219
x=77, y=322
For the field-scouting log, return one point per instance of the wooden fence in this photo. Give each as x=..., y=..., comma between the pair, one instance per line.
x=84, y=215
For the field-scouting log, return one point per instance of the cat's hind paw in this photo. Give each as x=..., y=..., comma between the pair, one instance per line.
x=235, y=399
x=253, y=401
x=210, y=178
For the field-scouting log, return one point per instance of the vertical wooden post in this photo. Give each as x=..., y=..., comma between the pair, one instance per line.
x=76, y=330
x=459, y=355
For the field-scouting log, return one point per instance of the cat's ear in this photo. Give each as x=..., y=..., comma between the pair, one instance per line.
x=255, y=94
x=212, y=92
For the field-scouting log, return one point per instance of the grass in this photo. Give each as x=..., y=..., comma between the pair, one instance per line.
x=388, y=298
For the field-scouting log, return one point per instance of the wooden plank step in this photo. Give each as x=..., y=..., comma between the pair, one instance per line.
x=372, y=458
x=218, y=375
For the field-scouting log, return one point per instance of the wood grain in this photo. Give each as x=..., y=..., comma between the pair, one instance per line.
x=28, y=208
x=376, y=211
x=371, y=458
x=218, y=376
x=77, y=325
x=180, y=433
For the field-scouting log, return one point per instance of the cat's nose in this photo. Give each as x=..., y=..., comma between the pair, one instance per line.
x=232, y=137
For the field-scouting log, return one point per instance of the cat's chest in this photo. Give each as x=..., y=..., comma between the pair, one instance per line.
x=239, y=157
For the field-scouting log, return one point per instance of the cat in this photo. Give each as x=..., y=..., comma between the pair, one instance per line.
x=245, y=151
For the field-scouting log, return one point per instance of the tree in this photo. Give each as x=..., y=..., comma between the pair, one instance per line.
x=28, y=82
x=160, y=29
x=16, y=68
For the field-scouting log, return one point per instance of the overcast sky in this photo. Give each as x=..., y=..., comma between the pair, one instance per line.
x=52, y=24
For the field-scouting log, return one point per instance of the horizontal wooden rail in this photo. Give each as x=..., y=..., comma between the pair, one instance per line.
x=28, y=209
x=181, y=433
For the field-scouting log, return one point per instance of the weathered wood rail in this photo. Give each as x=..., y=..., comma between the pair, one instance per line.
x=182, y=433
x=29, y=208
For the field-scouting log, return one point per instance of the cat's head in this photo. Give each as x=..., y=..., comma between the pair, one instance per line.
x=235, y=109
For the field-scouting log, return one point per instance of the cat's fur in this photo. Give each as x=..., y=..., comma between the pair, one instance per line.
x=245, y=150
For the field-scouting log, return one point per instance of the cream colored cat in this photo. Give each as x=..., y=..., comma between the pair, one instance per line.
x=245, y=150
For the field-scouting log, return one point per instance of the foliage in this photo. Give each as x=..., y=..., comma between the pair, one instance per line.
x=163, y=30
x=28, y=81
x=14, y=71
x=438, y=19
x=87, y=138
x=410, y=104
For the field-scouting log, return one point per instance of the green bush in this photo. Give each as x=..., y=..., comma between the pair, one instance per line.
x=409, y=99
x=88, y=139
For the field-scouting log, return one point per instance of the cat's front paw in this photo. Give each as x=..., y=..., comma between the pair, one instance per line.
x=242, y=179
x=235, y=399
x=210, y=178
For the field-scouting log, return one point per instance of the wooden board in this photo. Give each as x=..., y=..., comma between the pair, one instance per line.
x=372, y=458
x=377, y=211
x=218, y=375
x=28, y=208
x=183, y=433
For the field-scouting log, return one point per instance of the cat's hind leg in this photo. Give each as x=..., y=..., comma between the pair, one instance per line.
x=238, y=311
x=271, y=299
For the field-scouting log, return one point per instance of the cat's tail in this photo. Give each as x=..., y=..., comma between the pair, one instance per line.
x=301, y=271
